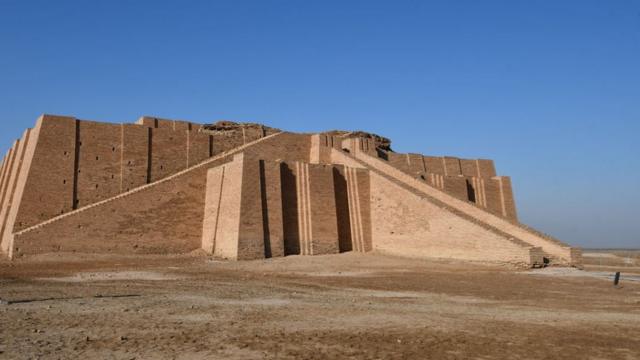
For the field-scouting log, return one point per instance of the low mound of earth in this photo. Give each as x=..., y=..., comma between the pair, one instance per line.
x=359, y=306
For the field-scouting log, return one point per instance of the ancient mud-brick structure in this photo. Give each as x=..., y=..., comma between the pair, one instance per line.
x=246, y=191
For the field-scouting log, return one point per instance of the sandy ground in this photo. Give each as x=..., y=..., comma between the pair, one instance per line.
x=325, y=307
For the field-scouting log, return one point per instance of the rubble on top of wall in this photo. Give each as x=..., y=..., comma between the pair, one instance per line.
x=226, y=127
x=381, y=142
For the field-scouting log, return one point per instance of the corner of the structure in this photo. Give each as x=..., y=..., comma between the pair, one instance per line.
x=239, y=157
x=536, y=256
x=314, y=156
x=222, y=211
x=348, y=145
x=576, y=257
x=507, y=200
x=13, y=189
x=148, y=121
x=51, y=117
x=10, y=253
x=321, y=146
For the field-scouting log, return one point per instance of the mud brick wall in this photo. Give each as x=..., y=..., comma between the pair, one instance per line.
x=98, y=162
x=78, y=163
x=551, y=247
x=271, y=198
x=251, y=234
x=434, y=165
x=224, y=141
x=509, y=207
x=456, y=186
x=15, y=188
x=168, y=153
x=493, y=194
x=466, y=179
x=468, y=167
x=365, y=145
x=50, y=185
x=233, y=211
x=80, y=186
x=163, y=217
x=199, y=147
x=486, y=168
x=5, y=167
x=322, y=208
x=288, y=147
x=252, y=133
x=405, y=224
x=8, y=199
x=399, y=161
x=351, y=193
x=4, y=186
x=245, y=209
x=159, y=123
x=321, y=146
x=343, y=213
x=309, y=209
x=304, y=206
x=359, y=201
x=436, y=180
x=452, y=166
x=415, y=163
x=2, y=168
x=291, y=230
x=222, y=210
x=135, y=156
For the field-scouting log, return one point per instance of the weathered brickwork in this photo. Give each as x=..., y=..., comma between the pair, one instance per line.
x=98, y=152
x=78, y=163
x=320, y=207
x=550, y=248
x=244, y=210
x=134, y=156
x=465, y=179
x=247, y=191
x=9, y=192
x=271, y=199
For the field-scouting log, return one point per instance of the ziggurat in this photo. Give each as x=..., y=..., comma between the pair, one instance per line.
x=247, y=191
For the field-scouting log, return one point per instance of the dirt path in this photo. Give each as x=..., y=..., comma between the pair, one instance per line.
x=344, y=306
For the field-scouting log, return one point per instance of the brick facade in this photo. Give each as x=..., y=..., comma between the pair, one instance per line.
x=246, y=191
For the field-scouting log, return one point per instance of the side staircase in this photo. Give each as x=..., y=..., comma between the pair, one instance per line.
x=204, y=164
x=554, y=251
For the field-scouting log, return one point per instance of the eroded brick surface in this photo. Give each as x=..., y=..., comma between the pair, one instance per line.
x=248, y=191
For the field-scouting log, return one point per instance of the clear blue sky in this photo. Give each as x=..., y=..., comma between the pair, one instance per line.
x=549, y=89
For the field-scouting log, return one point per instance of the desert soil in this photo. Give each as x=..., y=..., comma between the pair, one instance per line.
x=322, y=307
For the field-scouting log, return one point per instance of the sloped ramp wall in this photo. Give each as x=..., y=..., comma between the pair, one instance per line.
x=553, y=249
x=407, y=224
x=78, y=163
x=404, y=223
x=472, y=180
x=162, y=217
